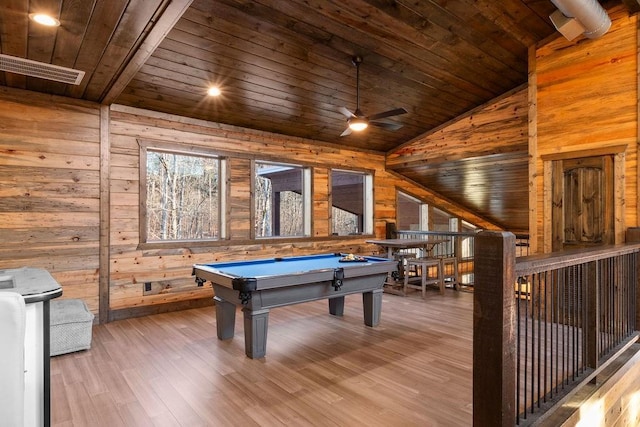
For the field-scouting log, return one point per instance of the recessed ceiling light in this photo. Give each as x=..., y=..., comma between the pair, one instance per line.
x=44, y=19
x=214, y=91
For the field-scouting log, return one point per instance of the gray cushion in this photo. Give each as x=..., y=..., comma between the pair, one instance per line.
x=70, y=326
x=69, y=311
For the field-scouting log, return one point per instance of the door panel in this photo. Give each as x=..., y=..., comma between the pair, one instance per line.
x=582, y=202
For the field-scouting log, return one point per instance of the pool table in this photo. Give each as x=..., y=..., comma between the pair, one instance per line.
x=262, y=284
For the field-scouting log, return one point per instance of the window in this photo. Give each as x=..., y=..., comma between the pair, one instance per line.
x=282, y=200
x=442, y=221
x=351, y=203
x=183, y=196
x=412, y=214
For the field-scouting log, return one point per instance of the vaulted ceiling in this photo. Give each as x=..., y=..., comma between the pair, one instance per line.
x=286, y=66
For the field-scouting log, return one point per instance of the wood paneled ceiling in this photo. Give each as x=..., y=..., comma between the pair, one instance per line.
x=285, y=66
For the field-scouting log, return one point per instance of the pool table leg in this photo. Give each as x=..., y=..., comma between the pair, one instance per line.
x=336, y=306
x=372, y=305
x=225, y=318
x=255, y=332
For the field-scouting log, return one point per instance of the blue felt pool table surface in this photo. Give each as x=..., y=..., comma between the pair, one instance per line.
x=251, y=275
x=286, y=266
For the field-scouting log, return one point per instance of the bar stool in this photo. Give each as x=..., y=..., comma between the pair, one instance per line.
x=425, y=268
x=450, y=271
x=402, y=258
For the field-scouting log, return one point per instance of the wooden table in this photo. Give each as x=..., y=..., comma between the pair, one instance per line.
x=393, y=247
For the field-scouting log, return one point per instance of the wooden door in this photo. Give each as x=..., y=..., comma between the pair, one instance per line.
x=582, y=212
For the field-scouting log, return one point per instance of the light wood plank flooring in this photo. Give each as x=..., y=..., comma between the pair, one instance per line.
x=414, y=369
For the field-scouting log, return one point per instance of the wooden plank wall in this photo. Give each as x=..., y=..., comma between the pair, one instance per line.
x=50, y=195
x=49, y=188
x=132, y=266
x=585, y=99
x=496, y=127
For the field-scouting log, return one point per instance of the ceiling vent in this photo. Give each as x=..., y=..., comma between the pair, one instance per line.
x=13, y=64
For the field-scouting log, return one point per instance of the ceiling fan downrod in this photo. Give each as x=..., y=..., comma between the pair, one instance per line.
x=357, y=60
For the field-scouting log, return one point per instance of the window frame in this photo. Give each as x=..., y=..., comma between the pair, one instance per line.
x=423, y=209
x=368, y=214
x=307, y=196
x=160, y=147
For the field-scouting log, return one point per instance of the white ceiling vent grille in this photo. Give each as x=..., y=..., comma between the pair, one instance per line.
x=27, y=67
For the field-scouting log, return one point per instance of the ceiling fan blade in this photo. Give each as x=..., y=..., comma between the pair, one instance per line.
x=346, y=132
x=385, y=125
x=346, y=112
x=394, y=112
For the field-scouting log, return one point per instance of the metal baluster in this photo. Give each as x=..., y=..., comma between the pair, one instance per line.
x=546, y=337
x=583, y=317
x=612, y=306
x=518, y=350
x=575, y=307
x=554, y=341
x=556, y=321
x=618, y=300
x=565, y=344
x=602, y=307
x=526, y=356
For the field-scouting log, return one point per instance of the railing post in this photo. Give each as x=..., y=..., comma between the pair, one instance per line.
x=494, y=338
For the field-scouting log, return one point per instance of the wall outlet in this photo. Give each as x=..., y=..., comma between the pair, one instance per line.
x=147, y=286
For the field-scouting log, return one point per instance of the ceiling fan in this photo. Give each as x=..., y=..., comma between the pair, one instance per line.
x=357, y=121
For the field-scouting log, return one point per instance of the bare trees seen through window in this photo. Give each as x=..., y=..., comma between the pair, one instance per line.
x=183, y=198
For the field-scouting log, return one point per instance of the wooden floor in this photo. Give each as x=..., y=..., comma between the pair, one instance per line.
x=414, y=369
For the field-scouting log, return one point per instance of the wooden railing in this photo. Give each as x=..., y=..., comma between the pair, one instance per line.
x=461, y=246
x=545, y=323
x=455, y=244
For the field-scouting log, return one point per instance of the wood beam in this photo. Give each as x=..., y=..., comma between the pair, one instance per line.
x=165, y=23
x=104, y=280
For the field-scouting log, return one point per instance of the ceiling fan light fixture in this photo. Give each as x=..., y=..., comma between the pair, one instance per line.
x=357, y=124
